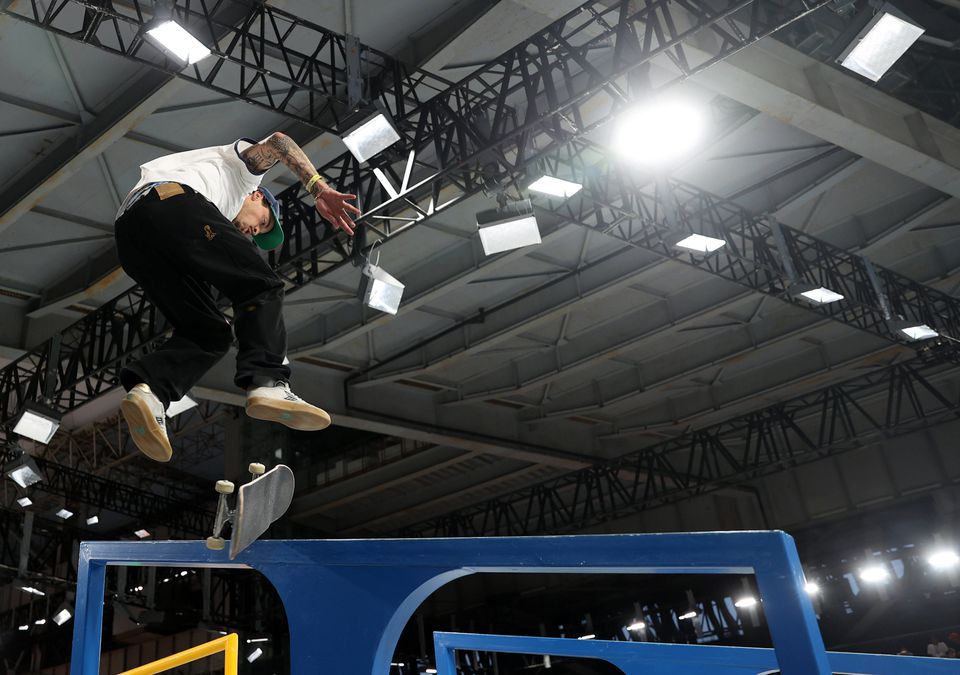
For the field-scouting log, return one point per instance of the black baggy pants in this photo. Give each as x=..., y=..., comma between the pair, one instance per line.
x=176, y=248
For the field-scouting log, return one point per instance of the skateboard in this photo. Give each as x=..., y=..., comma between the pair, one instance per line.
x=259, y=504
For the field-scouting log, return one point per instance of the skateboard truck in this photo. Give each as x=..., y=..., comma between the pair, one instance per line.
x=259, y=504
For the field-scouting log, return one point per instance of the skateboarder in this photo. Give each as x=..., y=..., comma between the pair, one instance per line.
x=184, y=228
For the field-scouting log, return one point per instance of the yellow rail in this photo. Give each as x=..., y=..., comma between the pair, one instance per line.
x=228, y=644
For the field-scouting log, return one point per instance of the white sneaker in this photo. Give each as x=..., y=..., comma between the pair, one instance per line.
x=148, y=425
x=276, y=403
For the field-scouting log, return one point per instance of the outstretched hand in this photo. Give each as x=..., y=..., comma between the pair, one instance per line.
x=336, y=209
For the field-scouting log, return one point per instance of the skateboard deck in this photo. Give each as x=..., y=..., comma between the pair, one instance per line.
x=260, y=503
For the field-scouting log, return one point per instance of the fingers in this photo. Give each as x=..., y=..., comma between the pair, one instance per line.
x=346, y=225
x=351, y=207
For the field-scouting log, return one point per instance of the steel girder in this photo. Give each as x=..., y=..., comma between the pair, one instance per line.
x=273, y=59
x=881, y=404
x=453, y=140
x=80, y=487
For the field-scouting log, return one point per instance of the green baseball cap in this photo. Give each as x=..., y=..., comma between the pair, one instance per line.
x=270, y=240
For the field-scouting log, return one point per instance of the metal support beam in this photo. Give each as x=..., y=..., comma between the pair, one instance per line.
x=884, y=403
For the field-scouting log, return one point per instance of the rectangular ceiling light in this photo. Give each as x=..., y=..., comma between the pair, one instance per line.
x=878, y=46
x=177, y=407
x=93, y=520
x=37, y=422
x=64, y=514
x=175, y=39
x=821, y=296
x=142, y=534
x=556, y=187
x=62, y=616
x=371, y=137
x=24, y=502
x=507, y=228
x=919, y=332
x=381, y=290
x=23, y=471
x=701, y=244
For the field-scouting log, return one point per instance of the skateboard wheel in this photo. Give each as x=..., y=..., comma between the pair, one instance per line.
x=256, y=468
x=215, y=543
x=224, y=487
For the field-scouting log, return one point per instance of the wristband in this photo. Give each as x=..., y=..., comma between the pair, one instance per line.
x=313, y=181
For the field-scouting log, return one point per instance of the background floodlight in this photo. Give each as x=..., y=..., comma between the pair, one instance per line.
x=556, y=187
x=64, y=514
x=637, y=625
x=254, y=655
x=658, y=132
x=175, y=39
x=177, y=407
x=508, y=227
x=380, y=289
x=874, y=574
x=882, y=41
x=688, y=615
x=943, y=560
x=23, y=471
x=93, y=520
x=811, y=587
x=63, y=615
x=37, y=422
x=371, y=137
x=743, y=603
x=24, y=502
x=917, y=331
x=142, y=534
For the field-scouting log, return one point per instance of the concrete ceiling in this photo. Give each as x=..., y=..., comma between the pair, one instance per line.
x=519, y=367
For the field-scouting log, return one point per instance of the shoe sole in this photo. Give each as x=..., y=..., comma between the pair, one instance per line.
x=302, y=417
x=145, y=432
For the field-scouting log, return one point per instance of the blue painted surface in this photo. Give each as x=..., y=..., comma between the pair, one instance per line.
x=636, y=658
x=348, y=600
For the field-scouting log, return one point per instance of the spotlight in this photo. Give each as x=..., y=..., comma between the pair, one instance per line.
x=697, y=243
x=509, y=226
x=183, y=405
x=658, y=132
x=40, y=622
x=38, y=422
x=93, y=520
x=64, y=514
x=175, y=39
x=885, y=38
x=370, y=137
x=380, y=289
x=256, y=640
x=914, y=330
x=589, y=636
x=23, y=471
x=556, y=187
x=27, y=588
x=63, y=615
x=637, y=625
x=874, y=574
x=818, y=295
x=688, y=615
x=743, y=603
x=24, y=627
x=142, y=534
x=254, y=655
x=811, y=587
x=943, y=560
x=24, y=502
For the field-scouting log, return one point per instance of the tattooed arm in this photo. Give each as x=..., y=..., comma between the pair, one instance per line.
x=332, y=205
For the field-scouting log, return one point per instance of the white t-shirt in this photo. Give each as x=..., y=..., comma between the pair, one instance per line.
x=218, y=173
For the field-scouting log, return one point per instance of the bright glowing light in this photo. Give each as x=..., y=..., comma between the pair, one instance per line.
x=886, y=40
x=255, y=654
x=874, y=574
x=64, y=514
x=637, y=625
x=382, y=291
x=24, y=627
x=748, y=601
x=944, y=559
x=32, y=590
x=37, y=424
x=556, y=187
x=508, y=236
x=370, y=138
x=701, y=244
x=93, y=520
x=821, y=296
x=688, y=615
x=919, y=332
x=811, y=587
x=431, y=671
x=24, y=502
x=589, y=636
x=176, y=40
x=256, y=640
x=658, y=132
x=40, y=622
x=142, y=534
x=62, y=617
